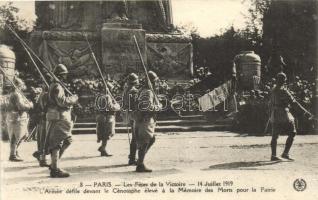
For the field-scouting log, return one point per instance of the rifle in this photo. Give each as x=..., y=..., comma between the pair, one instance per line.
x=148, y=80
x=31, y=135
x=99, y=69
x=145, y=70
x=34, y=54
x=11, y=82
x=37, y=68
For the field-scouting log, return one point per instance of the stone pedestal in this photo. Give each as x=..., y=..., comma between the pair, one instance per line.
x=119, y=53
x=170, y=56
x=69, y=48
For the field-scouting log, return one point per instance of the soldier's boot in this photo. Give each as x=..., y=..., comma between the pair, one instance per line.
x=102, y=149
x=273, y=148
x=13, y=152
x=43, y=162
x=132, y=154
x=141, y=156
x=36, y=155
x=55, y=171
x=14, y=158
x=143, y=168
x=17, y=155
x=288, y=145
x=58, y=173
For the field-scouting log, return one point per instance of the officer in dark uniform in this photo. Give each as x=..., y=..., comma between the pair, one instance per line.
x=130, y=97
x=41, y=109
x=281, y=119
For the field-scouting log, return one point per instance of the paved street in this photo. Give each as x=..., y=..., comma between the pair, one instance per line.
x=180, y=157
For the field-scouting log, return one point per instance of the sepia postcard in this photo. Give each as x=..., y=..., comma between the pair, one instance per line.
x=158, y=99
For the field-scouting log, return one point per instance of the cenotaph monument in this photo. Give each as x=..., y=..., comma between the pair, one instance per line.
x=61, y=27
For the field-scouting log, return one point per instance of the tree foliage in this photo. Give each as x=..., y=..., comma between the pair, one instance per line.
x=285, y=28
x=8, y=15
x=290, y=30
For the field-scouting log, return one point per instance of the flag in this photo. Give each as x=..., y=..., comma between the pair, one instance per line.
x=215, y=97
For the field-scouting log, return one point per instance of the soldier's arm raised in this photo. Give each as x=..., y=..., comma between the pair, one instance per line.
x=297, y=105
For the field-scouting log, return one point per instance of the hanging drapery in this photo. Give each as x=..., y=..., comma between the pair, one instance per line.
x=215, y=97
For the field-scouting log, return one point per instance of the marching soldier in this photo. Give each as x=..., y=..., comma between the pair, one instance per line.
x=59, y=124
x=106, y=120
x=281, y=118
x=17, y=118
x=130, y=97
x=41, y=109
x=148, y=105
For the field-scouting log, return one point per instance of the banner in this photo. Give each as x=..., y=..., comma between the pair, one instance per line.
x=215, y=97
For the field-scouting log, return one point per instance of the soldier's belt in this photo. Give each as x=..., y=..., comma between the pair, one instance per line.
x=104, y=112
x=17, y=116
x=57, y=115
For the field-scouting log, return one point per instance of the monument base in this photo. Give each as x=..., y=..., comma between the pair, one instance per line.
x=170, y=55
x=119, y=53
x=69, y=48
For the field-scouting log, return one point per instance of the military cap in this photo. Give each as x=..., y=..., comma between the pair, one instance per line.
x=153, y=76
x=281, y=77
x=132, y=78
x=60, y=69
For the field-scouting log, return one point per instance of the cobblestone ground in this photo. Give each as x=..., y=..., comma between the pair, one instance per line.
x=237, y=162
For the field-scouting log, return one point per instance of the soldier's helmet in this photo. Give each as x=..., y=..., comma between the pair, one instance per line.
x=132, y=79
x=60, y=70
x=281, y=78
x=153, y=76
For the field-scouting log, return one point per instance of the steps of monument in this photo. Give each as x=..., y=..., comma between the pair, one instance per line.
x=194, y=123
x=159, y=123
x=159, y=118
x=162, y=129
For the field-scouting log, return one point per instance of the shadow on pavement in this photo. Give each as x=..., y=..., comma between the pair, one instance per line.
x=132, y=175
x=18, y=180
x=18, y=169
x=242, y=165
x=89, y=176
x=80, y=169
x=79, y=158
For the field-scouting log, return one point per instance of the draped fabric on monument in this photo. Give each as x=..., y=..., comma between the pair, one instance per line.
x=110, y=26
x=76, y=57
x=170, y=60
x=215, y=97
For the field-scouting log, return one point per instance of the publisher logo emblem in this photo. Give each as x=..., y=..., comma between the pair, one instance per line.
x=300, y=185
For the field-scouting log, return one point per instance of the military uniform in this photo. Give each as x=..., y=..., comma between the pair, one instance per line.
x=58, y=123
x=105, y=121
x=146, y=122
x=130, y=97
x=41, y=109
x=280, y=117
x=17, y=122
